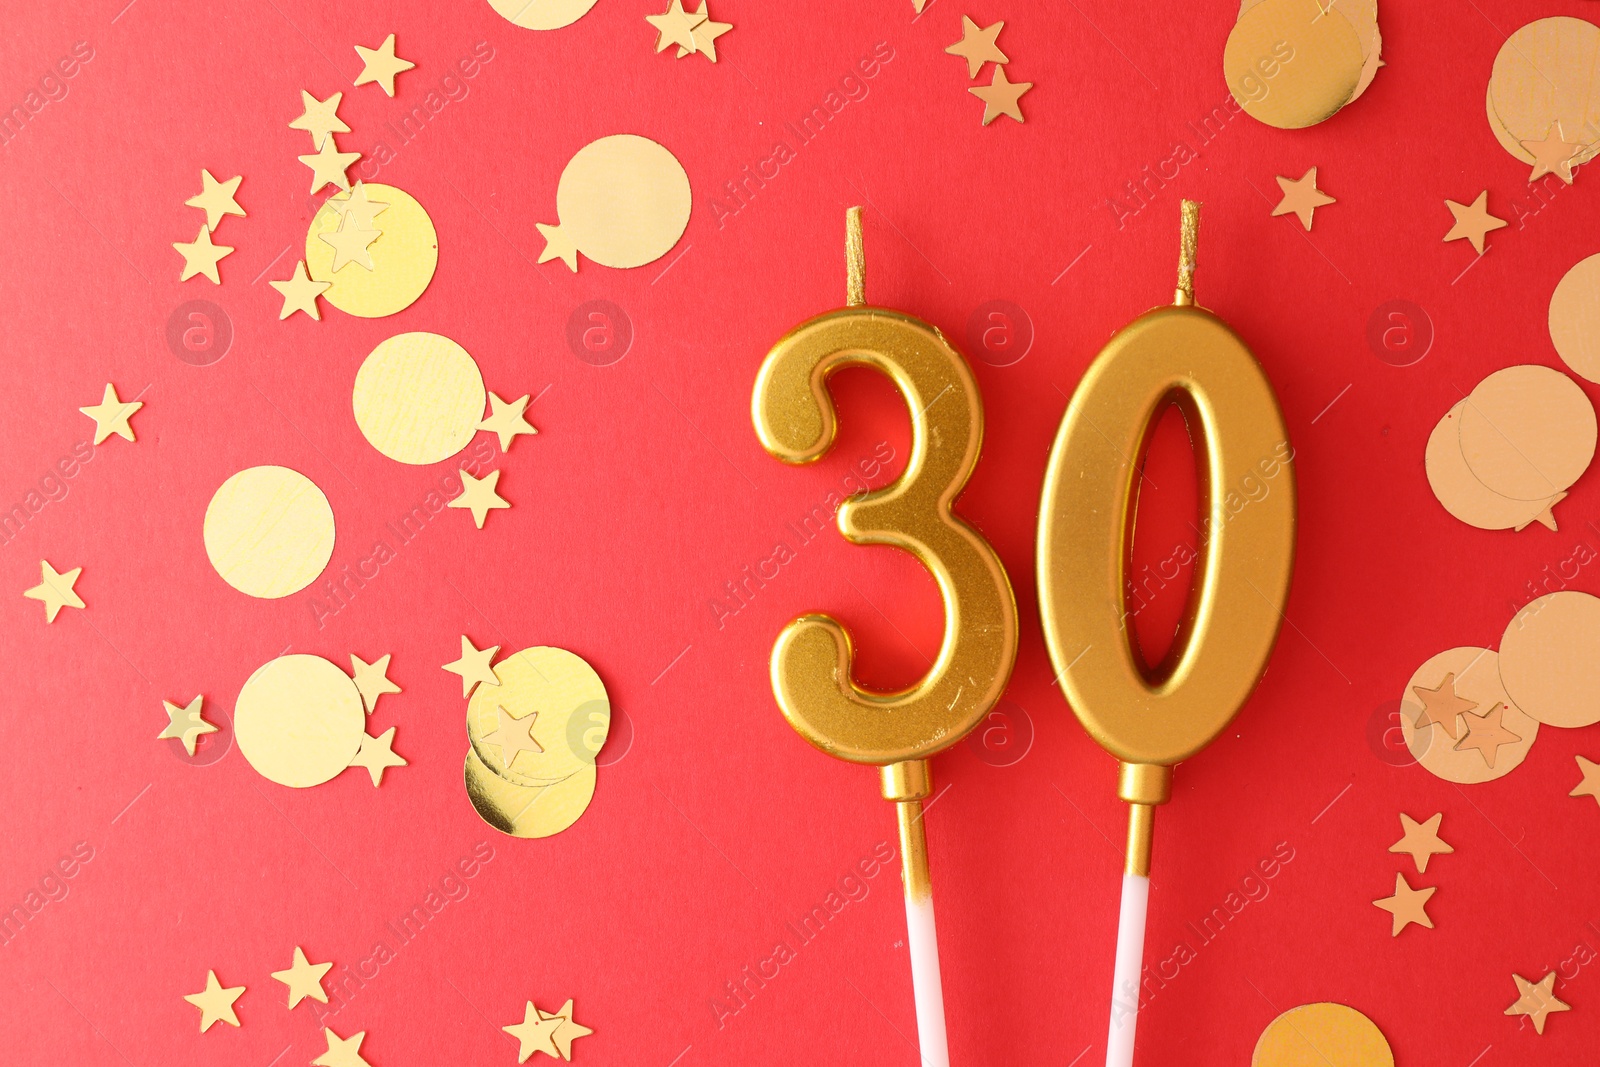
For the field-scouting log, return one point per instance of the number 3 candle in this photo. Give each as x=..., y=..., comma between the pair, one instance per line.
x=1151, y=716
x=811, y=660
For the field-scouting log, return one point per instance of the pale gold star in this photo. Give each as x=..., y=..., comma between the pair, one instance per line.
x=215, y=1003
x=356, y=205
x=372, y=679
x=328, y=165
x=676, y=27
x=342, y=1051
x=706, y=33
x=473, y=666
x=185, y=723
x=1301, y=197
x=349, y=244
x=978, y=45
x=534, y=1033
x=569, y=1030
x=200, y=256
x=111, y=415
x=1473, y=221
x=381, y=65
x=1421, y=840
x=216, y=198
x=558, y=244
x=478, y=495
x=304, y=979
x=1590, y=786
x=1537, y=1000
x=506, y=419
x=1442, y=706
x=1407, y=905
x=512, y=736
x=1553, y=155
x=320, y=118
x=377, y=753
x=1486, y=734
x=55, y=590
x=299, y=293
x=1001, y=96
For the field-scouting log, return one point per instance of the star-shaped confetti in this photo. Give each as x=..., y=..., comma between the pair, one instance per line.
x=200, y=256
x=376, y=754
x=1553, y=155
x=111, y=414
x=1421, y=840
x=1590, y=786
x=506, y=419
x=978, y=46
x=215, y=1002
x=304, y=979
x=359, y=207
x=216, y=199
x=1407, y=905
x=535, y=1033
x=320, y=118
x=512, y=736
x=350, y=244
x=1442, y=707
x=473, y=666
x=478, y=495
x=1001, y=96
x=185, y=723
x=328, y=166
x=1486, y=734
x=381, y=65
x=372, y=679
x=676, y=27
x=569, y=1030
x=1537, y=1000
x=706, y=33
x=300, y=293
x=1301, y=197
x=1473, y=221
x=55, y=590
x=342, y=1051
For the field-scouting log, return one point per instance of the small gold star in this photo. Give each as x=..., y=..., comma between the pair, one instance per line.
x=676, y=27
x=1590, y=786
x=355, y=205
x=534, y=1033
x=478, y=494
x=1421, y=840
x=512, y=736
x=706, y=33
x=55, y=590
x=473, y=666
x=320, y=118
x=185, y=723
x=1537, y=1000
x=1407, y=905
x=381, y=65
x=1001, y=96
x=304, y=979
x=342, y=1051
x=1553, y=155
x=328, y=165
x=558, y=244
x=1301, y=197
x=350, y=244
x=200, y=256
x=372, y=679
x=299, y=293
x=978, y=46
x=111, y=415
x=506, y=419
x=1486, y=734
x=377, y=753
x=1442, y=707
x=1473, y=221
x=568, y=1031
x=216, y=198
x=215, y=1003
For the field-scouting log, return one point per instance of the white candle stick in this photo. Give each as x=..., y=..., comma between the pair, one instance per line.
x=922, y=937
x=1125, y=978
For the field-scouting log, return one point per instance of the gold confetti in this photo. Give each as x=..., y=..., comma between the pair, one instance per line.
x=1407, y=906
x=675, y=26
x=377, y=754
x=1475, y=677
x=216, y=199
x=1550, y=659
x=299, y=720
x=527, y=811
x=418, y=398
x=111, y=415
x=1528, y=432
x=705, y=34
x=215, y=1002
x=1546, y=73
x=304, y=979
x=186, y=724
x=474, y=666
x=535, y=1033
x=512, y=737
x=1001, y=96
x=1552, y=155
x=623, y=201
x=380, y=65
x=479, y=496
x=1301, y=197
x=1291, y=64
x=299, y=293
x=978, y=45
x=372, y=679
x=1322, y=1035
x=1441, y=706
x=1590, y=786
x=1486, y=735
x=1575, y=318
x=1467, y=498
x=506, y=419
x=1537, y=1000
x=55, y=590
x=200, y=256
x=557, y=701
x=569, y=1030
x=328, y=165
x=542, y=14
x=269, y=531
x=1473, y=221
x=343, y=1051
x=403, y=260
x=320, y=118
x=360, y=207
x=1420, y=840
x=349, y=243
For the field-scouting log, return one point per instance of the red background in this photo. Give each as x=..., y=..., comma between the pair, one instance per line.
x=646, y=491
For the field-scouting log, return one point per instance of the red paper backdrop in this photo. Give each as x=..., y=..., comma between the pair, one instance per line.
x=713, y=825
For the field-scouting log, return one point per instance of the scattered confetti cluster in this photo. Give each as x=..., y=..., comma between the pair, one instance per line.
x=623, y=201
x=304, y=979
x=1324, y=1035
x=692, y=31
x=979, y=45
x=1422, y=842
x=216, y=199
x=551, y=1033
x=1544, y=79
x=1295, y=63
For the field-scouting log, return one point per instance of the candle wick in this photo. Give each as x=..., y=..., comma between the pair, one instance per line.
x=855, y=260
x=1189, y=240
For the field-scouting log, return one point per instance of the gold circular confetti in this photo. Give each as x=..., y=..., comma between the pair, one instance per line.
x=1322, y=1035
x=550, y=711
x=542, y=14
x=1575, y=318
x=269, y=531
x=623, y=201
x=1468, y=499
x=1528, y=432
x=1501, y=134
x=418, y=398
x=1548, y=72
x=299, y=720
x=1550, y=659
x=524, y=811
x=403, y=257
x=1289, y=66
x=1463, y=676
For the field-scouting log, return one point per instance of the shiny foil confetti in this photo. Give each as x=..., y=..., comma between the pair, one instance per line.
x=1543, y=100
x=1294, y=63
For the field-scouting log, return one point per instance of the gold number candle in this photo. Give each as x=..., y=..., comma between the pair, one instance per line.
x=1151, y=716
x=811, y=660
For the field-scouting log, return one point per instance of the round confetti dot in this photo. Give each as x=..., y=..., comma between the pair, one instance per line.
x=623, y=200
x=524, y=811
x=1289, y=66
x=299, y=720
x=1451, y=681
x=1548, y=72
x=1501, y=134
x=1322, y=1035
x=1468, y=499
x=1528, y=432
x=269, y=531
x=418, y=398
x=1575, y=318
x=542, y=14
x=1550, y=659
x=531, y=712
x=403, y=256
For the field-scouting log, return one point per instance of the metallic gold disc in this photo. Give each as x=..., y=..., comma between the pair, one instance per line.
x=623, y=200
x=403, y=257
x=542, y=14
x=418, y=398
x=1550, y=659
x=299, y=720
x=1547, y=72
x=524, y=811
x=1290, y=65
x=1468, y=499
x=1575, y=318
x=1322, y=1035
x=1528, y=432
x=1501, y=134
x=550, y=712
x=1472, y=675
x=269, y=531
x=1363, y=18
